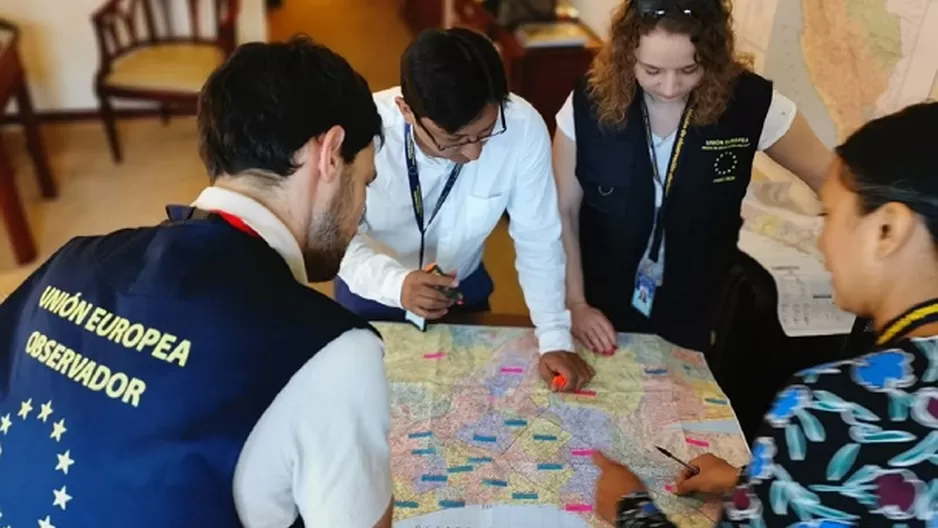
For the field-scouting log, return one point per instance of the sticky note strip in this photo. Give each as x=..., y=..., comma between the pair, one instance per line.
x=512, y=370
x=549, y=467
x=586, y=392
x=452, y=504
x=434, y=478
x=669, y=488
x=484, y=438
x=496, y=483
x=427, y=451
x=516, y=423
x=524, y=496
x=582, y=452
x=698, y=443
x=579, y=508
x=716, y=401
x=435, y=355
x=459, y=469
x=656, y=371
x=544, y=438
x=406, y=504
x=478, y=460
x=424, y=434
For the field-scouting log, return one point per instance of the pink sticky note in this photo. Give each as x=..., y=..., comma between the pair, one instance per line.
x=698, y=443
x=436, y=355
x=512, y=370
x=581, y=452
x=586, y=392
x=579, y=508
x=669, y=488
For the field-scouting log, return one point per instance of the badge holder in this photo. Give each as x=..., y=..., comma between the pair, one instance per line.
x=646, y=284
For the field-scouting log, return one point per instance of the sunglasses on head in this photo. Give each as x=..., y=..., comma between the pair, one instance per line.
x=656, y=9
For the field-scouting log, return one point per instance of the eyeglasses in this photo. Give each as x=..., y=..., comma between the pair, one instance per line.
x=498, y=126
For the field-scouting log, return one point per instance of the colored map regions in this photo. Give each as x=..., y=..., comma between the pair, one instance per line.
x=474, y=425
x=779, y=223
x=843, y=62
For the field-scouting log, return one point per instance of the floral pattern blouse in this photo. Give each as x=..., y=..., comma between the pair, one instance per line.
x=851, y=443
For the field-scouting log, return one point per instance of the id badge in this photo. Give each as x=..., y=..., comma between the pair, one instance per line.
x=644, y=295
x=416, y=320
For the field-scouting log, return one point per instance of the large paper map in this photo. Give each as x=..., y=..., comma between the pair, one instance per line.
x=478, y=439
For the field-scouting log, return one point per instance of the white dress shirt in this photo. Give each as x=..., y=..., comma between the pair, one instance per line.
x=513, y=174
x=778, y=120
x=321, y=448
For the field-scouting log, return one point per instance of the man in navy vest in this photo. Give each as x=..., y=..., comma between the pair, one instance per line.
x=184, y=375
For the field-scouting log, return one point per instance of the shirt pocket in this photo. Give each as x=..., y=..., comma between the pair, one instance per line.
x=482, y=213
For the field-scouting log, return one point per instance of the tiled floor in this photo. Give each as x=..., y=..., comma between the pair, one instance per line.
x=161, y=163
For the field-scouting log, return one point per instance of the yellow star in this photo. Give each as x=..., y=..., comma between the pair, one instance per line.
x=25, y=408
x=61, y=498
x=65, y=460
x=5, y=423
x=46, y=523
x=58, y=429
x=45, y=411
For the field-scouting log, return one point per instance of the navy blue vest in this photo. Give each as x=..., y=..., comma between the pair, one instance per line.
x=134, y=365
x=702, y=225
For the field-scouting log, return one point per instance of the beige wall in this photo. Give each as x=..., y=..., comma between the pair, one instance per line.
x=61, y=53
x=595, y=14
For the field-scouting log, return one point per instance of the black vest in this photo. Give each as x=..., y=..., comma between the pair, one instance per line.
x=701, y=227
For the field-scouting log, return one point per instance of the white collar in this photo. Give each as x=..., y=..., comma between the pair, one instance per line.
x=260, y=219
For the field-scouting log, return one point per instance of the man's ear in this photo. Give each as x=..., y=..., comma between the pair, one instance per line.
x=895, y=225
x=405, y=109
x=330, y=154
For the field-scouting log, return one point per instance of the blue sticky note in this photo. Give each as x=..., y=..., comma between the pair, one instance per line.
x=434, y=478
x=452, y=504
x=484, y=438
x=459, y=469
x=524, y=496
x=496, y=483
x=549, y=467
x=424, y=434
x=545, y=438
x=427, y=451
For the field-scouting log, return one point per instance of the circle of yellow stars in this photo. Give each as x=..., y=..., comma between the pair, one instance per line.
x=726, y=169
x=64, y=460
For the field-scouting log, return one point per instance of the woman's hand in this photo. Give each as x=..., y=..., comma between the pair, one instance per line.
x=716, y=476
x=592, y=328
x=614, y=482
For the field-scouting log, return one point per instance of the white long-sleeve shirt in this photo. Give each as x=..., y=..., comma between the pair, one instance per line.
x=513, y=174
x=320, y=450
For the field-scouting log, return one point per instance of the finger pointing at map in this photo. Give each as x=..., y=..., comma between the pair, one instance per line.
x=567, y=368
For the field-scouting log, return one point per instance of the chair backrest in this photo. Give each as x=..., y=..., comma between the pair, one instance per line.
x=126, y=24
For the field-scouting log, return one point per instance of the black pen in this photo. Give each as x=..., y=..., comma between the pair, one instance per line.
x=668, y=454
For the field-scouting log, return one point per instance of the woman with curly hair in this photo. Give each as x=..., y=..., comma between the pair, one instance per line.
x=653, y=154
x=851, y=443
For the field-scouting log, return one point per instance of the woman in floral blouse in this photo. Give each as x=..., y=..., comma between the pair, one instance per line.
x=853, y=443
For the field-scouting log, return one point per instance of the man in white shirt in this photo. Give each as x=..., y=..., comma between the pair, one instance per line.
x=460, y=151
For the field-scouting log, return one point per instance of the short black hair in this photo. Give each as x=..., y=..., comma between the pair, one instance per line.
x=269, y=99
x=895, y=159
x=449, y=75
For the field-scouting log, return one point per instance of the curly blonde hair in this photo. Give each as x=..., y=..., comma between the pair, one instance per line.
x=611, y=78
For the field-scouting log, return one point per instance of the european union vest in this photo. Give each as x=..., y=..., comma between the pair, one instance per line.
x=134, y=365
x=701, y=226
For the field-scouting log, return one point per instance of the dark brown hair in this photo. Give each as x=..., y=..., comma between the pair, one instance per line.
x=612, y=84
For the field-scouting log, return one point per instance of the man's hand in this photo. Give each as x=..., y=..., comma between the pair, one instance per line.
x=593, y=329
x=420, y=296
x=716, y=476
x=614, y=482
x=575, y=371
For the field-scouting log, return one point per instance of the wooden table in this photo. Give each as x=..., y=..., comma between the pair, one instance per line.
x=13, y=84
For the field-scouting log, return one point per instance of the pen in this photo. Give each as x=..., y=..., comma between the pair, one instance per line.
x=668, y=454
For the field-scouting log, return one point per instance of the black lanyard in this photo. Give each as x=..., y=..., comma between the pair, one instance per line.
x=655, y=249
x=912, y=319
x=416, y=195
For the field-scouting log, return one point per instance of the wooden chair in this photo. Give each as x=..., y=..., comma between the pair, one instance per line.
x=144, y=58
x=13, y=85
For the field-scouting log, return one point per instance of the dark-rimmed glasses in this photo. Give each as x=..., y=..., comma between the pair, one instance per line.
x=497, y=129
x=656, y=9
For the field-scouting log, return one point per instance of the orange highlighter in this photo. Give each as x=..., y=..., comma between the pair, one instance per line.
x=559, y=382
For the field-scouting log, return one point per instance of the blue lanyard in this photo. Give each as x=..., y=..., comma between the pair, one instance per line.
x=416, y=195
